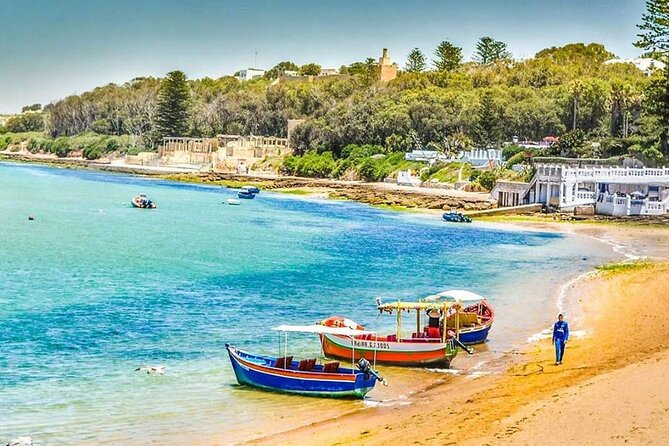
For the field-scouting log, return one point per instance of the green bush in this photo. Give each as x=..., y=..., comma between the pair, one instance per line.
x=512, y=150
x=92, y=153
x=487, y=179
x=311, y=164
x=518, y=158
x=368, y=170
x=5, y=141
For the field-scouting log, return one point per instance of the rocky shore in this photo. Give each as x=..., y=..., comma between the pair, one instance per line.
x=378, y=194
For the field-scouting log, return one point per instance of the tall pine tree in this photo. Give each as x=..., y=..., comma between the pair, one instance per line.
x=489, y=50
x=415, y=61
x=448, y=56
x=173, y=105
x=488, y=122
x=654, y=37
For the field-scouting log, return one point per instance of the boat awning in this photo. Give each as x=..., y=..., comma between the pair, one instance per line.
x=406, y=306
x=455, y=296
x=322, y=329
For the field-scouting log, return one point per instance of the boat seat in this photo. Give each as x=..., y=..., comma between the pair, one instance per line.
x=331, y=367
x=433, y=332
x=283, y=362
x=306, y=365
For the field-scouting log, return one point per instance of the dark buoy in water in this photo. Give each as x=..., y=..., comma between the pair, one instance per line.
x=31, y=217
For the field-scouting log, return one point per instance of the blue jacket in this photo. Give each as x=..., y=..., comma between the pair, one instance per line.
x=561, y=331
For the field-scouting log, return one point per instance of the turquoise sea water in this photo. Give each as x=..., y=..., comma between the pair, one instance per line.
x=93, y=288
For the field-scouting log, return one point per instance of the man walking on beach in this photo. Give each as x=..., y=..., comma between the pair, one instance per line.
x=560, y=338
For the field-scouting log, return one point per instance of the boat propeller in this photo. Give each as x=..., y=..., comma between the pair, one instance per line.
x=365, y=367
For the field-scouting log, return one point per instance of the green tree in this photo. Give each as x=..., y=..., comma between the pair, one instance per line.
x=654, y=37
x=370, y=73
x=447, y=56
x=173, y=105
x=489, y=50
x=415, y=61
x=276, y=70
x=310, y=69
x=571, y=143
x=576, y=90
x=488, y=123
x=33, y=107
x=27, y=122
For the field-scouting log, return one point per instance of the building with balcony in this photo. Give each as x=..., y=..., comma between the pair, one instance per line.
x=611, y=190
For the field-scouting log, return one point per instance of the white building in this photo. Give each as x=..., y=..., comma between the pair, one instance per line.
x=426, y=156
x=645, y=64
x=328, y=72
x=612, y=190
x=249, y=74
x=406, y=178
x=482, y=157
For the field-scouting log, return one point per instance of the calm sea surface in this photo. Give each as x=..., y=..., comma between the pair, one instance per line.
x=93, y=288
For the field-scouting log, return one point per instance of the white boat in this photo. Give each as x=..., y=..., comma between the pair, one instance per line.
x=233, y=201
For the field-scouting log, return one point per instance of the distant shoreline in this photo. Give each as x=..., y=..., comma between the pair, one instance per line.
x=382, y=195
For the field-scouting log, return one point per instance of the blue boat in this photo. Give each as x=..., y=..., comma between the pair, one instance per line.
x=246, y=195
x=303, y=377
x=252, y=189
x=475, y=318
x=456, y=217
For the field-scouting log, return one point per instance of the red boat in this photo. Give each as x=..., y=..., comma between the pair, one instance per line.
x=431, y=344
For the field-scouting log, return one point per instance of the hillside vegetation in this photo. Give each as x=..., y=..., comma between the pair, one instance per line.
x=356, y=126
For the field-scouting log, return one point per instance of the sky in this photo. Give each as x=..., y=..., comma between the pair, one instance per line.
x=50, y=49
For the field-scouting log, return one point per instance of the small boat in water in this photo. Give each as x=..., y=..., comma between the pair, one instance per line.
x=252, y=189
x=456, y=217
x=246, y=195
x=303, y=377
x=233, y=201
x=141, y=201
x=475, y=317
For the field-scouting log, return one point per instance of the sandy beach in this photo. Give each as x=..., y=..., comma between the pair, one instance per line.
x=612, y=388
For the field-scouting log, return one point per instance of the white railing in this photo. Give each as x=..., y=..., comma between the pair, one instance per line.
x=585, y=196
x=614, y=205
x=615, y=174
x=654, y=208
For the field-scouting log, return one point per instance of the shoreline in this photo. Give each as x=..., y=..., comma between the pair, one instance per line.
x=385, y=196
x=498, y=405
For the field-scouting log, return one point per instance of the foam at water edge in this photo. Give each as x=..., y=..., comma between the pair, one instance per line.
x=619, y=248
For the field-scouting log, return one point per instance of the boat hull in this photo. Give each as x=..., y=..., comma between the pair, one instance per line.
x=476, y=335
x=256, y=371
x=421, y=354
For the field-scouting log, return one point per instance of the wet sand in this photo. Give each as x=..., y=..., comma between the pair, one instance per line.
x=612, y=387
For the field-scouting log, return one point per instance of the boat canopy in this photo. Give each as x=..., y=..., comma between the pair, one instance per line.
x=455, y=296
x=322, y=329
x=406, y=306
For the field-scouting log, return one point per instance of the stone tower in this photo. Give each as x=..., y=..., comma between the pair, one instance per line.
x=388, y=71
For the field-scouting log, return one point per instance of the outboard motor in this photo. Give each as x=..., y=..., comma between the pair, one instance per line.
x=365, y=367
x=463, y=346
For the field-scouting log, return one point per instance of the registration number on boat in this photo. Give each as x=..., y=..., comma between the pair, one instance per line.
x=372, y=344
